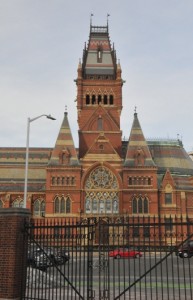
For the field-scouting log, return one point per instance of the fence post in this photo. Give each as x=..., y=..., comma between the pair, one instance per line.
x=11, y=252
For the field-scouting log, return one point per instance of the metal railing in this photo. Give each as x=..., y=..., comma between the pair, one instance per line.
x=109, y=258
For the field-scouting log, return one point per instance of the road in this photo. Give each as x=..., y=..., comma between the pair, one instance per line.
x=155, y=277
x=172, y=278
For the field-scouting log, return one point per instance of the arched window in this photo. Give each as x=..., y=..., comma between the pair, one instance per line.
x=101, y=192
x=39, y=208
x=146, y=210
x=68, y=205
x=62, y=205
x=17, y=203
x=56, y=205
x=134, y=205
x=140, y=205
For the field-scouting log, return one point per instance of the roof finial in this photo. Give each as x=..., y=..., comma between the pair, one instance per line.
x=108, y=15
x=91, y=15
x=65, y=110
x=135, y=110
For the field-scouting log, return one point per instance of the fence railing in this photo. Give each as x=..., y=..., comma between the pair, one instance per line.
x=110, y=258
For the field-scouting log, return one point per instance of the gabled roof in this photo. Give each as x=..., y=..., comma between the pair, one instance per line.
x=138, y=153
x=64, y=152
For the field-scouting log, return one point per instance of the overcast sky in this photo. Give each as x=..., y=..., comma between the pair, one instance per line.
x=41, y=42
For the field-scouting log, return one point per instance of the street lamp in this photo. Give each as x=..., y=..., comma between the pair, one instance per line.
x=27, y=154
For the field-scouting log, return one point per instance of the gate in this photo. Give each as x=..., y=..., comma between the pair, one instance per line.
x=109, y=258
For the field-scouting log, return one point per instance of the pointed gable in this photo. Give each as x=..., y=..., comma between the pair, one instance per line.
x=102, y=150
x=64, y=152
x=109, y=123
x=168, y=180
x=138, y=153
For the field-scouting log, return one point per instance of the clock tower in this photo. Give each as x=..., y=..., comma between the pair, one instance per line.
x=99, y=99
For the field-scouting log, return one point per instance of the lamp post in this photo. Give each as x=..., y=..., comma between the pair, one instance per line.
x=27, y=154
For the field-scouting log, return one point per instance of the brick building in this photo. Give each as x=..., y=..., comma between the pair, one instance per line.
x=105, y=175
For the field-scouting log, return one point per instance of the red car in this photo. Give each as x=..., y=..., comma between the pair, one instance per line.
x=125, y=252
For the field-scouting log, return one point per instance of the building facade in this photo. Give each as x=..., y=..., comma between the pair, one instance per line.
x=106, y=175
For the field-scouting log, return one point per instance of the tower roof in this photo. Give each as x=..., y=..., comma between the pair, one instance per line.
x=64, y=151
x=98, y=57
x=138, y=153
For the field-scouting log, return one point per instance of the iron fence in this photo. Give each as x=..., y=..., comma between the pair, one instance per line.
x=109, y=258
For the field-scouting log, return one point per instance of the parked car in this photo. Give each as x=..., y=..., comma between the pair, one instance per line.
x=186, y=249
x=44, y=257
x=124, y=252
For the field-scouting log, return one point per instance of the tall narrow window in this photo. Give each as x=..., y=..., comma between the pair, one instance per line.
x=140, y=206
x=111, y=99
x=56, y=205
x=99, y=55
x=62, y=205
x=168, y=198
x=134, y=206
x=39, y=208
x=87, y=99
x=145, y=206
x=68, y=205
x=93, y=99
x=105, y=100
x=100, y=123
x=99, y=99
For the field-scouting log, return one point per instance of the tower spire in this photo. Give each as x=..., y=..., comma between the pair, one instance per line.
x=91, y=15
x=108, y=15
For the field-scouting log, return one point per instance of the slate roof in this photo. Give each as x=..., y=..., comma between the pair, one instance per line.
x=137, y=142
x=99, y=41
x=64, y=143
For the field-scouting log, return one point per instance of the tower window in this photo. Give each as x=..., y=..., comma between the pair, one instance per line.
x=99, y=99
x=93, y=99
x=87, y=99
x=105, y=100
x=111, y=99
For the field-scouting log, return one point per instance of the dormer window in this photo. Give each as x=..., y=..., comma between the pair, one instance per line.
x=99, y=55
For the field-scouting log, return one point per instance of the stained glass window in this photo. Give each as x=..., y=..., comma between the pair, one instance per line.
x=101, y=190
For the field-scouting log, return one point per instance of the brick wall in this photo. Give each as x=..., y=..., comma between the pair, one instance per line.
x=12, y=271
